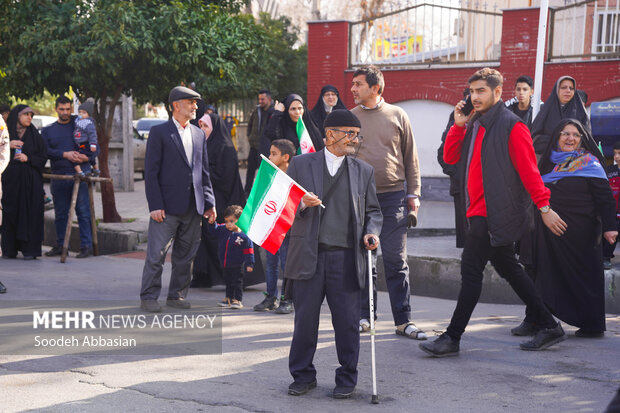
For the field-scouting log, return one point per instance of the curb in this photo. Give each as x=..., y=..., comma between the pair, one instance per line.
x=440, y=278
x=111, y=241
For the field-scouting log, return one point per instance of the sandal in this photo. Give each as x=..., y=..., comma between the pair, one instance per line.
x=410, y=330
x=224, y=303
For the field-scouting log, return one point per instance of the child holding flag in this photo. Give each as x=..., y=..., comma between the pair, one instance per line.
x=235, y=250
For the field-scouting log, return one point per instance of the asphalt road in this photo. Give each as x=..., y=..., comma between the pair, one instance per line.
x=490, y=375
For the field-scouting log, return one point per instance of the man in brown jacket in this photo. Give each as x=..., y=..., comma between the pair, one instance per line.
x=390, y=149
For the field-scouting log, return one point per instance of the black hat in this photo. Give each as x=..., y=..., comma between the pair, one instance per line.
x=182, y=92
x=341, y=117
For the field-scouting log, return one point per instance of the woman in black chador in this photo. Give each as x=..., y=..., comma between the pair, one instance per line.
x=569, y=268
x=283, y=125
x=562, y=103
x=228, y=190
x=328, y=100
x=22, y=183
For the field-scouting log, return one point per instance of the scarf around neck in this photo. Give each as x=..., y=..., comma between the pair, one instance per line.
x=574, y=163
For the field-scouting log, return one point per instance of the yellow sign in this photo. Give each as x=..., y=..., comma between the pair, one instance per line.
x=390, y=48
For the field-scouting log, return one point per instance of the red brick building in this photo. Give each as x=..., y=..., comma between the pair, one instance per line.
x=429, y=92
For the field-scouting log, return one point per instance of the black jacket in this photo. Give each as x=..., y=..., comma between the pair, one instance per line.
x=505, y=196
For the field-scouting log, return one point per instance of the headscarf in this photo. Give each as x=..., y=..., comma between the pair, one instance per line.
x=289, y=128
x=552, y=113
x=21, y=129
x=33, y=146
x=587, y=161
x=206, y=119
x=223, y=166
x=319, y=111
x=16, y=129
x=220, y=134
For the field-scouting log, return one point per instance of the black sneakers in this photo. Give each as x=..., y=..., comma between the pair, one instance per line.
x=269, y=303
x=56, y=250
x=298, y=388
x=525, y=329
x=152, y=306
x=84, y=252
x=444, y=346
x=178, y=303
x=285, y=307
x=545, y=338
x=343, y=392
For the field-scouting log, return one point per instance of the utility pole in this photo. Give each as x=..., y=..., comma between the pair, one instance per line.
x=316, y=12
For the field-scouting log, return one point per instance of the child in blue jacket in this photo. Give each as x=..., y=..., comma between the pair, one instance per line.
x=235, y=251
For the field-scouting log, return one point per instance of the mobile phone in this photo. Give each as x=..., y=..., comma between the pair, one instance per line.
x=468, y=106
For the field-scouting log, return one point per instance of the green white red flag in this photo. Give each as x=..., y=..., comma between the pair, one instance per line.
x=271, y=207
x=305, y=143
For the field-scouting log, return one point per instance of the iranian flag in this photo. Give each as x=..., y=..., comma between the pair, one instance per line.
x=305, y=143
x=271, y=206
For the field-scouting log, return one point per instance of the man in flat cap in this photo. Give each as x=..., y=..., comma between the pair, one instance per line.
x=327, y=249
x=179, y=192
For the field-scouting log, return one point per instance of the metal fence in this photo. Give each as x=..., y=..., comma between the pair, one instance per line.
x=240, y=109
x=585, y=30
x=423, y=33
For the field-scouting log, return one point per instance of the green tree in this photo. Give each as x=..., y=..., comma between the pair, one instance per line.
x=282, y=67
x=286, y=65
x=107, y=48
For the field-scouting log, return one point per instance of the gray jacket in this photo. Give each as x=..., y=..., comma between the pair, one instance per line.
x=307, y=170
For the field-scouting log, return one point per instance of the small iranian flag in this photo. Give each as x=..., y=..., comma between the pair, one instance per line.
x=271, y=206
x=305, y=143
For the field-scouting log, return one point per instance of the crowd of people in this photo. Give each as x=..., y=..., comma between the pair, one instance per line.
x=532, y=194
x=71, y=145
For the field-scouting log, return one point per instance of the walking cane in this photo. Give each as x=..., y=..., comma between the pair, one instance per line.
x=371, y=305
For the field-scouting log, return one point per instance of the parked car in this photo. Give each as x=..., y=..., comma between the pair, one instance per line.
x=139, y=152
x=144, y=125
x=140, y=135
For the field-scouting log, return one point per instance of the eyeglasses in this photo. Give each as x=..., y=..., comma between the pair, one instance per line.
x=575, y=135
x=350, y=134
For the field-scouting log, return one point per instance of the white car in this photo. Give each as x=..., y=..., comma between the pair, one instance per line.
x=41, y=121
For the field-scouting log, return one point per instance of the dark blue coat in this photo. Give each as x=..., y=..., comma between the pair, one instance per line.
x=234, y=248
x=167, y=173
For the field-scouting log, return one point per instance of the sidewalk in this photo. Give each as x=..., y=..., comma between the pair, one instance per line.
x=433, y=258
x=490, y=375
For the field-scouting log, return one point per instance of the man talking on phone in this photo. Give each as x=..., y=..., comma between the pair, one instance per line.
x=500, y=180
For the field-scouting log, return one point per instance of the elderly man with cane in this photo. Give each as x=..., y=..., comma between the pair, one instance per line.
x=326, y=250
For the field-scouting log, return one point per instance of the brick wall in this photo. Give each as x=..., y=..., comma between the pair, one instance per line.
x=328, y=48
x=328, y=63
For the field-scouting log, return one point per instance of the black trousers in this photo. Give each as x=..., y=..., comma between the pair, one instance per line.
x=233, y=277
x=336, y=278
x=476, y=253
x=253, y=162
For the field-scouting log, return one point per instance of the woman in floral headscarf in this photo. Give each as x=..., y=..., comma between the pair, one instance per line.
x=569, y=268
